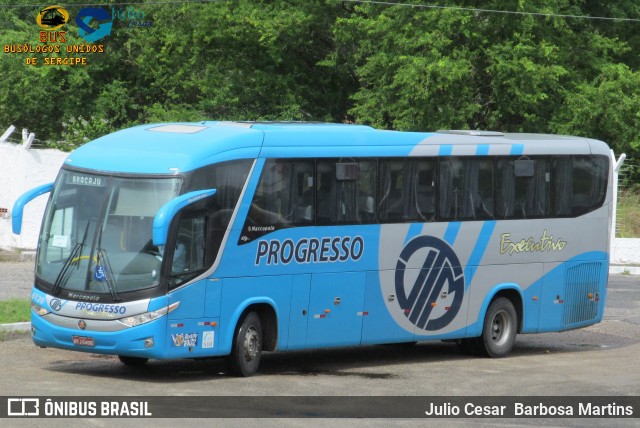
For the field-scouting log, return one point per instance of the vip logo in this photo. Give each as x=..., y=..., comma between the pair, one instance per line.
x=440, y=281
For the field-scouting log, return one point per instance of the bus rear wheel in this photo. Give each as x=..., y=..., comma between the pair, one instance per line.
x=500, y=328
x=132, y=361
x=247, y=346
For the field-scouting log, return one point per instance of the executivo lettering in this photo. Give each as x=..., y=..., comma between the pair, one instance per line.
x=530, y=245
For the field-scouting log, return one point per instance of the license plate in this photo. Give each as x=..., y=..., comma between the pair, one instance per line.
x=83, y=341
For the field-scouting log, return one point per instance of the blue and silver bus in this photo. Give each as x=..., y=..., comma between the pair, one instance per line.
x=191, y=240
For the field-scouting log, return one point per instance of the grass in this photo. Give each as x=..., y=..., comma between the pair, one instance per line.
x=628, y=214
x=15, y=310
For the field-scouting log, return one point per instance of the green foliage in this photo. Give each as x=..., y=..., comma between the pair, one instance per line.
x=238, y=60
x=78, y=130
x=15, y=310
x=157, y=113
x=607, y=107
x=628, y=215
x=414, y=67
x=525, y=77
x=395, y=67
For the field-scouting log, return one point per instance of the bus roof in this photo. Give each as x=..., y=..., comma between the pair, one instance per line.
x=171, y=148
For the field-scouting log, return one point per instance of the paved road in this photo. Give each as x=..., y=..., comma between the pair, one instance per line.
x=16, y=280
x=599, y=360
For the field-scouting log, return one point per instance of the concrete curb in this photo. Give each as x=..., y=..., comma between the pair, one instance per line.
x=18, y=326
x=17, y=256
x=624, y=270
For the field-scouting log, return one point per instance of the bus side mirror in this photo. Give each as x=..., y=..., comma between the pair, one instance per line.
x=18, y=206
x=168, y=211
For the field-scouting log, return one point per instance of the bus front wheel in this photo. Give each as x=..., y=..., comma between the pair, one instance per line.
x=247, y=346
x=500, y=328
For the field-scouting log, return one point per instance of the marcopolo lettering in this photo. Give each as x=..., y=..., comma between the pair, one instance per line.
x=104, y=308
x=310, y=250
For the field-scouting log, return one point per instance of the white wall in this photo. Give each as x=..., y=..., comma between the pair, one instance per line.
x=21, y=170
x=626, y=251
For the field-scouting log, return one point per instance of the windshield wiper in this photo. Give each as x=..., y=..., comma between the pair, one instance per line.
x=108, y=274
x=73, y=257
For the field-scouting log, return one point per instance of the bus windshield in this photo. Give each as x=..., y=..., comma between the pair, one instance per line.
x=97, y=233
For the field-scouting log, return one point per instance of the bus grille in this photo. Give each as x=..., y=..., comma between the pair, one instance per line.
x=581, y=292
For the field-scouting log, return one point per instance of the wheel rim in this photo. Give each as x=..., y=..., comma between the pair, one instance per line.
x=500, y=328
x=251, y=344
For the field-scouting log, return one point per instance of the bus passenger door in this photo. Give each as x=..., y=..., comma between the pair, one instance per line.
x=336, y=305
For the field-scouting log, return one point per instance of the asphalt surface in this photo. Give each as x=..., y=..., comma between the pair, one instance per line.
x=16, y=280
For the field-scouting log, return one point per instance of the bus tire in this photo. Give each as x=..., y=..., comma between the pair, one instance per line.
x=132, y=361
x=500, y=328
x=247, y=346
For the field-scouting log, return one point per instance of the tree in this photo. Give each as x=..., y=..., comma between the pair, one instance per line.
x=424, y=66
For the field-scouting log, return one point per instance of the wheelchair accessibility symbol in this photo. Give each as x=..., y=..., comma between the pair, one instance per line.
x=100, y=274
x=431, y=296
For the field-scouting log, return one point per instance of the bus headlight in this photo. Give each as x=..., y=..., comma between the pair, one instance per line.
x=39, y=310
x=140, y=319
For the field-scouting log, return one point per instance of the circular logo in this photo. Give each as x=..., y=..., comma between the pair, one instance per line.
x=52, y=17
x=430, y=296
x=82, y=324
x=55, y=304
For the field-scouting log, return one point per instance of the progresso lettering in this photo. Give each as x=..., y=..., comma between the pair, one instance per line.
x=102, y=308
x=310, y=250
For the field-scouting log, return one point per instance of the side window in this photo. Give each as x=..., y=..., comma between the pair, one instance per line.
x=284, y=196
x=367, y=212
x=228, y=178
x=580, y=184
x=189, y=253
x=392, y=181
x=524, y=188
x=486, y=188
x=407, y=190
x=345, y=191
x=598, y=166
x=562, y=186
x=466, y=189
x=422, y=197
